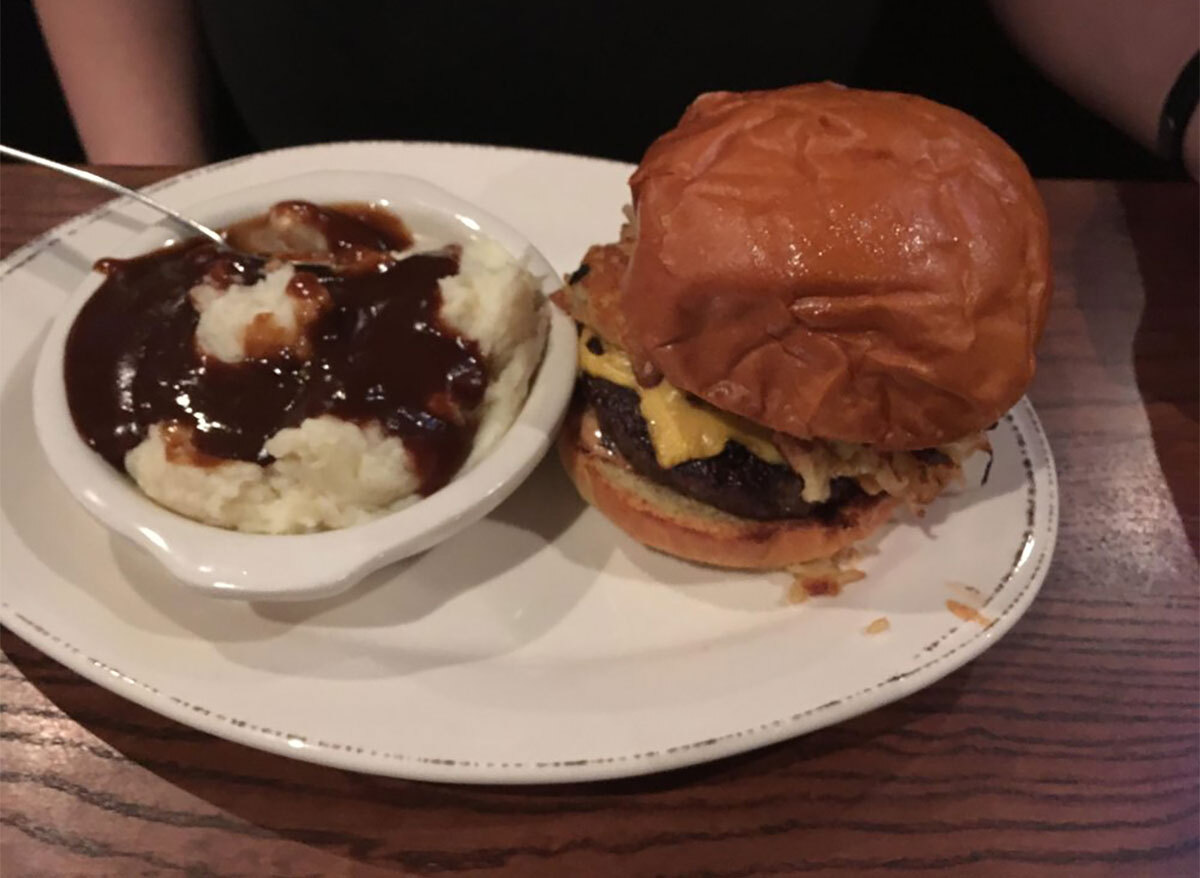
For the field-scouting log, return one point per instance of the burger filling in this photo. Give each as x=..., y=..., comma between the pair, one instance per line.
x=734, y=478
x=738, y=466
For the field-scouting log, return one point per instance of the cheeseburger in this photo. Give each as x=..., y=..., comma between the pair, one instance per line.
x=821, y=299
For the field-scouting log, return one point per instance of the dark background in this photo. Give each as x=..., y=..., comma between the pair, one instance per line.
x=953, y=52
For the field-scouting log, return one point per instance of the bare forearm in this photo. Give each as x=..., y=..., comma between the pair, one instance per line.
x=1117, y=57
x=133, y=76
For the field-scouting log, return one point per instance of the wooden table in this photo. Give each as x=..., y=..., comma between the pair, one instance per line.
x=1072, y=746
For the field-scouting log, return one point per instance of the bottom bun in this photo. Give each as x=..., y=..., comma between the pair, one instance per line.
x=667, y=520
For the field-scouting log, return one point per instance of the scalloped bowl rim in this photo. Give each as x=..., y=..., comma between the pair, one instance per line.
x=232, y=564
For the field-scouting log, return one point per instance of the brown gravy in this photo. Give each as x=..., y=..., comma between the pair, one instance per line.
x=299, y=229
x=377, y=351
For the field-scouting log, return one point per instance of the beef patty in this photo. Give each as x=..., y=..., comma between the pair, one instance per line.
x=734, y=480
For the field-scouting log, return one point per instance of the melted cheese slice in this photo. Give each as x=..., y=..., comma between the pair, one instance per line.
x=680, y=430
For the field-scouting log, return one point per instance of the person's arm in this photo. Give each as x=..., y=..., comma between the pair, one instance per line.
x=133, y=75
x=1119, y=58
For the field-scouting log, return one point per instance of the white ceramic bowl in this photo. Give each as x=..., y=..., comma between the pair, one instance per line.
x=252, y=566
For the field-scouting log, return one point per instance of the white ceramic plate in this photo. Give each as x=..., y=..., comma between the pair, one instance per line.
x=540, y=644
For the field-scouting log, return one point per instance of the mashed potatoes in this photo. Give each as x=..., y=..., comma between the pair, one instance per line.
x=258, y=320
x=327, y=472
x=495, y=301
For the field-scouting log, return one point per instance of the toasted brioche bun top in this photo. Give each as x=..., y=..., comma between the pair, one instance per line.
x=839, y=264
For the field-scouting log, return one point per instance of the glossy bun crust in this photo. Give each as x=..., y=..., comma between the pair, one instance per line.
x=840, y=264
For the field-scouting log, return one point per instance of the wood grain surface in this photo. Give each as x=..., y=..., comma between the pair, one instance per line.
x=1070, y=748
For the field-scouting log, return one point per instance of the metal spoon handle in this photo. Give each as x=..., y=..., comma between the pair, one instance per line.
x=113, y=187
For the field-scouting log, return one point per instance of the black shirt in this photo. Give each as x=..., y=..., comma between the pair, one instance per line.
x=599, y=79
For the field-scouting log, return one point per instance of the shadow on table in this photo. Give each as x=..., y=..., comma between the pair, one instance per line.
x=1164, y=224
x=829, y=775
x=1139, y=309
